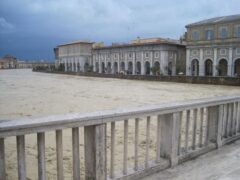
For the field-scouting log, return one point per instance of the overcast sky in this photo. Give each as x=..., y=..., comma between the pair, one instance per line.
x=30, y=29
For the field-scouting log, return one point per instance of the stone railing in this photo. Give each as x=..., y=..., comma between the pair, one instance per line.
x=183, y=130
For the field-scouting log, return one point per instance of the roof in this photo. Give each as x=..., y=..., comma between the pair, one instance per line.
x=76, y=42
x=222, y=19
x=143, y=42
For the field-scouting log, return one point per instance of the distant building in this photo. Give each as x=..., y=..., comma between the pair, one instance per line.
x=152, y=56
x=139, y=56
x=8, y=62
x=213, y=47
x=75, y=56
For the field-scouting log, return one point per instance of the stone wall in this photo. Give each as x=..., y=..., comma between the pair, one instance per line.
x=231, y=81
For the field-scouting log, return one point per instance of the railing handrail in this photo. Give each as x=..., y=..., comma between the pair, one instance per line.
x=55, y=122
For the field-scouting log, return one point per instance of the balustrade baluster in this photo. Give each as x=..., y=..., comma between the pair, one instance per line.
x=229, y=120
x=238, y=116
x=41, y=156
x=201, y=128
x=75, y=153
x=194, y=129
x=158, y=147
x=187, y=130
x=112, y=150
x=136, y=144
x=147, y=142
x=59, y=154
x=180, y=134
x=2, y=160
x=21, y=158
x=125, y=144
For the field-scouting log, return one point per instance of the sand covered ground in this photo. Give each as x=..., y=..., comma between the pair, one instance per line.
x=29, y=94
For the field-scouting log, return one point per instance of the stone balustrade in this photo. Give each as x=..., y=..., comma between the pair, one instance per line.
x=184, y=130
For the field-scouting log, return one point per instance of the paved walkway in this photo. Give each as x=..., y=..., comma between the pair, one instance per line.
x=222, y=164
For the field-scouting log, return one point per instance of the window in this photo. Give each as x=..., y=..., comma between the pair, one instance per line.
x=146, y=55
x=195, y=36
x=209, y=34
x=223, y=52
x=115, y=56
x=130, y=55
x=223, y=33
x=238, y=31
x=156, y=54
x=238, y=51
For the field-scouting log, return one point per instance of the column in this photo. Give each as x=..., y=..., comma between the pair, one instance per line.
x=142, y=65
x=151, y=62
x=230, y=62
x=174, y=64
x=188, y=63
x=72, y=64
x=76, y=67
x=215, y=72
x=95, y=152
x=201, y=64
x=118, y=65
x=134, y=63
x=65, y=65
x=100, y=66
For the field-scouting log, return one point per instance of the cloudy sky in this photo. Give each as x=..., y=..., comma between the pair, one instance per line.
x=30, y=29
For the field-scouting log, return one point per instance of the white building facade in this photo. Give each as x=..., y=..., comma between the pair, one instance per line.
x=74, y=57
x=213, y=47
x=151, y=58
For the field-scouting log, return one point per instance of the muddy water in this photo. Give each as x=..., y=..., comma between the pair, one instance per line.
x=28, y=94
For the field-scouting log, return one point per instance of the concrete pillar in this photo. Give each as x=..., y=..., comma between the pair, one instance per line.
x=174, y=64
x=215, y=72
x=212, y=127
x=142, y=65
x=169, y=128
x=72, y=65
x=126, y=64
x=201, y=64
x=76, y=65
x=230, y=62
x=100, y=66
x=134, y=63
x=65, y=65
x=118, y=65
x=94, y=66
x=188, y=63
x=95, y=152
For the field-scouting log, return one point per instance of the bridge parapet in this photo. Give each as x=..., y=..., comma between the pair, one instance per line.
x=183, y=130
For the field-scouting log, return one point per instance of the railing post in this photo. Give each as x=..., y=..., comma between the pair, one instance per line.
x=2, y=160
x=220, y=126
x=213, y=119
x=170, y=136
x=95, y=152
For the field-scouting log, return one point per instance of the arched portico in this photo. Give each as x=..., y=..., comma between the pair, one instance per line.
x=195, y=67
x=122, y=66
x=115, y=68
x=208, y=67
x=147, y=68
x=170, y=68
x=96, y=67
x=109, y=70
x=130, y=67
x=138, y=67
x=156, y=68
x=223, y=67
x=237, y=67
x=103, y=67
x=86, y=67
x=78, y=66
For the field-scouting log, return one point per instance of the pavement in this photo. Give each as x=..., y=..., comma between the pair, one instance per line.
x=220, y=164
